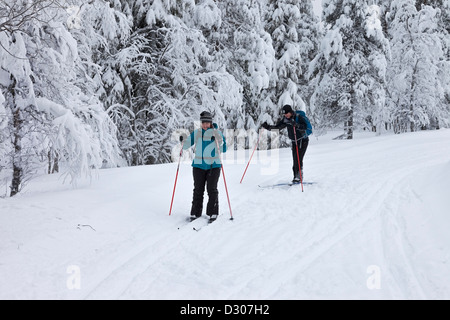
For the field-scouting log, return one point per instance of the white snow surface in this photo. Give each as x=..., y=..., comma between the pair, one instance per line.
x=374, y=226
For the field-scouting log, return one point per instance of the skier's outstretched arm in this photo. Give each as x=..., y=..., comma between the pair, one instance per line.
x=280, y=125
x=189, y=141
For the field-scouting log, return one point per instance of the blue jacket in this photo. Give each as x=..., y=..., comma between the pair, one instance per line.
x=300, y=123
x=205, y=148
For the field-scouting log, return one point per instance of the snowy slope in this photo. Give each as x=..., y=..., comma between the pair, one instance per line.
x=373, y=227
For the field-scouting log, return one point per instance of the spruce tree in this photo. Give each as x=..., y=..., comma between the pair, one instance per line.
x=171, y=78
x=350, y=67
x=415, y=83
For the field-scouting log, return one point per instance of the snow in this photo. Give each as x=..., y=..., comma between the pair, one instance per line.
x=373, y=227
x=317, y=5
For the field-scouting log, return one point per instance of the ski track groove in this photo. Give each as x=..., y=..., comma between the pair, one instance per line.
x=312, y=249
x=144, y=257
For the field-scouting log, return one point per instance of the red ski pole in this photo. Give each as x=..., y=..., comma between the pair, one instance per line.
x=257, y=143
x=298, y=158
x=226, y=189
x=176, y=176
x=224, y=179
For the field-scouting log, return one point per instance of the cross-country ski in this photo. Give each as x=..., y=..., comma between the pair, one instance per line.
x=284, y=184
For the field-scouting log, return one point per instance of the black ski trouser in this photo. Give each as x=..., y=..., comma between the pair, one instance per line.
x=208, y=178
x=302, y=146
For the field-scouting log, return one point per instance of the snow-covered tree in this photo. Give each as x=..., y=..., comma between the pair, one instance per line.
x=350, y=67
x=432, y=3
x=50, y=118
x=283, y=25
x=170, y=77
x=102, y=35
x=415, y=85
x=384, y=6
x=443, y=30
x=310, y=35
x=294, y=30
x=243, y=49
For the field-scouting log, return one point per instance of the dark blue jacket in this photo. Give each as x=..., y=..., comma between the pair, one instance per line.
x=301, y=124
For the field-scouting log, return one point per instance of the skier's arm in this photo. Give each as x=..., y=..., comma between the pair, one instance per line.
x=189, y=142
x=280, y=125
x=220, y=138
x=224, y=144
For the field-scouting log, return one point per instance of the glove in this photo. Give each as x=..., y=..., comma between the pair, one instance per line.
x=217, y=136
x=182, y=137
x=265, y=125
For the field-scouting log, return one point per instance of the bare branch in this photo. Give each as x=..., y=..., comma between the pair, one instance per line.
x=13, y=17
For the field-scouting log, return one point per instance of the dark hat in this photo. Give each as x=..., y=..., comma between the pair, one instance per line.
x=206, y=116
x=287, y=109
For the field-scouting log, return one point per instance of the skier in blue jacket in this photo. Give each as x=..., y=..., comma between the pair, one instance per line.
x=300, y=123
x=206, y=165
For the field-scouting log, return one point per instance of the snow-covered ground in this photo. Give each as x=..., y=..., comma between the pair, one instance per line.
x=375, y=226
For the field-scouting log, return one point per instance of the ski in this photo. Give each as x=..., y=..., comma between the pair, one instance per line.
x=202, y=226
x=285, y=184
x=193, y=222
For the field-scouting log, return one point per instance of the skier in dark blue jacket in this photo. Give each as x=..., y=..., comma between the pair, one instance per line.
x=294, y=120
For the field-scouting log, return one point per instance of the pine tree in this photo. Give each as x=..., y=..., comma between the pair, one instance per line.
x=310, y=35
x=244, y=50
x=350, y=67
x=416, y=94
x=283, y=24
x=171, y=78
x=432, y=3
x=294, y=30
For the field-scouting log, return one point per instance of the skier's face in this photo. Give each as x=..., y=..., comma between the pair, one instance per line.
x=288, y=115
x=206, y=125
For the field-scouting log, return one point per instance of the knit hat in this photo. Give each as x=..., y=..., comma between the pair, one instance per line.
x=205, y=116
x=287, y=109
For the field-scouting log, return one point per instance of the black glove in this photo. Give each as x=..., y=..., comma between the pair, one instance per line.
x=265, y=125
x=182, y=137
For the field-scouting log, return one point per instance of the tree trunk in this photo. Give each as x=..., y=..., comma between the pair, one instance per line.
x=349, y=125
x=17, y=157
x=53, y=162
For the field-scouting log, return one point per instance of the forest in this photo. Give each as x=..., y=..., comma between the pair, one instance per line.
x=94, y=84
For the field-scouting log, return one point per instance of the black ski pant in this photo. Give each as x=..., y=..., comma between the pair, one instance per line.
x=302, y=146
x=208, y=178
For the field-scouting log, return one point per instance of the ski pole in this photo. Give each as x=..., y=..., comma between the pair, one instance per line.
x=257, y=143
x=224, y=179
x=298, y=157
x=226, y=189
x=176, y=176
